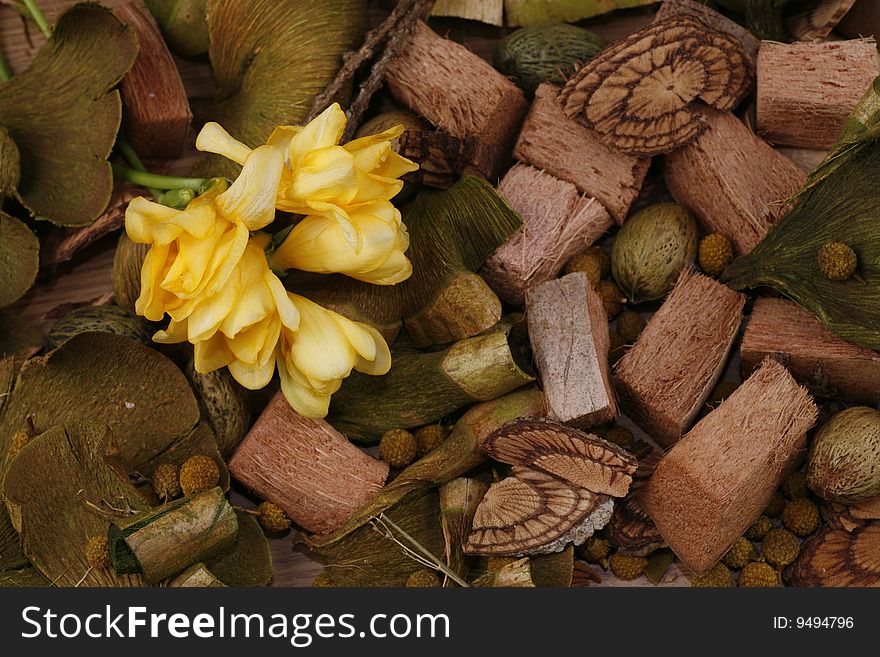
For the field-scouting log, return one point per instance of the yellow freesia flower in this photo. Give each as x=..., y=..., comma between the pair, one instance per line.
x=313, y=361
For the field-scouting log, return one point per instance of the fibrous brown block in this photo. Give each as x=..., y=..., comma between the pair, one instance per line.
x=558, y=222
x=666, y=377
x=306, y=467
x=551, y=141
x=713, y=19
x=157, y=113
x=732, y=180
x=461, y=94
x=806, y=90
x=826, y=364
x=568, y=329
x=718, y=479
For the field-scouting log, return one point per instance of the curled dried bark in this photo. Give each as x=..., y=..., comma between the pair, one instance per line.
x=580, y=458
x=638, y=94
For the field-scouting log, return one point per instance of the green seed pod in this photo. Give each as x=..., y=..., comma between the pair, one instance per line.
x=651, y=249
x=126, y=275
x=547, y=53
x=224, y=405
x=101, y=319
x=844, y=461
x=183, y=24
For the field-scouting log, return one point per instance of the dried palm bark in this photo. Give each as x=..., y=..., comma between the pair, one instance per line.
x=713, y=19
x=715, y=482
x=816, y=21
x=665, y=378
x=835, y=557
x=631, y=529
x=558, y=222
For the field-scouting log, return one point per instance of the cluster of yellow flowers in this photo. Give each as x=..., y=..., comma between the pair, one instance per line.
x=207, y=266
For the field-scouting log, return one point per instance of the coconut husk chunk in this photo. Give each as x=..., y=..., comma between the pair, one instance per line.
x=664, y=379
x=306, y=467
x=715, y=482
x=580, y=458
x=531, y=512
x=157, y=113
x=558, y=223
x=713, y=19
x=568, y=330
x=641, y=93
x=732, y=180
x=806, y=90
x=461, y=94
x=570, y=151
x=828, y=365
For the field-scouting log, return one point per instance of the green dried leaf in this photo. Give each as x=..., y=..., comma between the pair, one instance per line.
x=183, y=24
x=24, y=577
x=10, y=164
x=248, y=562
x=553, y=570
x=271, y=58
x=458, y=454
x=526, y=13
x=18, y=337
x=19, y=258
x=658, y=565
x=839, y=204
x=369, y=557
x=63, y=114
x=60, y=492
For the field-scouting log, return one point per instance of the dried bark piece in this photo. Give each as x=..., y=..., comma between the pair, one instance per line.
x=807, y=90
x=835, y=557
x=713, y=19
x=567, y=149
x=157, y=114
x=306, y=467
x=631, y=529
x=664, y=379
x=828, y=365
x=531, y=512
x=442, y=158
x=816, y=21
x=732, y=180
x=581, y=459
x=558, y=222
x=568, y=329
x=637, y=94
x=715, y=482
x=460, y=93
x=459, y=499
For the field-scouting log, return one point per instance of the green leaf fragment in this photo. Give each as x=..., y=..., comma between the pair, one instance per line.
x=248, y=562
x=19, y=259
x=526, y=13
x=18, y=337
x=63, y=114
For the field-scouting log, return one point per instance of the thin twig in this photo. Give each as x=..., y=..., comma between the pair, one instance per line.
x=434, y=561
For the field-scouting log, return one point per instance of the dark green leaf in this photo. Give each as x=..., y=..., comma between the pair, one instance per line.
x=19, y=259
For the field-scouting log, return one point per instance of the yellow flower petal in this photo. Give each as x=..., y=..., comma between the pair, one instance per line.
x=380, y=363
x=325, y=175
x=210, y=355
x=324, y=130
x=214, y=139
x=304, y=399
x=142, y=217
x=251, y=198
x=253, y=376
x=320, y=349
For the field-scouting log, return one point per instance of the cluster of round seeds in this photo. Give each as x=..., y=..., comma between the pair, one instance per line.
x=423, y=578
x=429, y=438
x=166, y=481
x=198, y=473
x=719, y=577
x=627, y=566
x=98, y=553
x=837, y=261
x=714, y=254
x=272, y=518
x=398, y=448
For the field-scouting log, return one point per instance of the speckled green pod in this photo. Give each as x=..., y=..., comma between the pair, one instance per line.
x=844, y=462
x=651, y=249
x=100, y=319
x=547, y=53
x=224, y=405
x=126, y=275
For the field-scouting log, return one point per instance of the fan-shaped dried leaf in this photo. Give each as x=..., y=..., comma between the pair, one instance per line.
x=531, y=512
x=631, y=528
x=580, y=458
x=63, y=114
x=19, y=259
x=271, y=57
x=639, y=93
x=835, y=557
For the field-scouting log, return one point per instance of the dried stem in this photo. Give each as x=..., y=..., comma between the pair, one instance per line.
x=431, y=560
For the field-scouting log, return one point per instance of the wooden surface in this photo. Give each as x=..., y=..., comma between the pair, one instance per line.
x=87, y=275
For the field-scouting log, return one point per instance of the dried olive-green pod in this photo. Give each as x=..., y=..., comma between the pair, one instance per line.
x=844, y=462
x=127, y=263
x=651, y=249
x=183, y=24
x=100, y=319
x=224, y=405
x=547, y=53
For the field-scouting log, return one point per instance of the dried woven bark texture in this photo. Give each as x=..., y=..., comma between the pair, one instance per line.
x=826, y=364
x=157, y=113
x=718, y=479
x=461, y=94
x=732, y=180
x=568, y=329
x=306, y=467
x=666, y=377
x=714, y=20
x=551, y=141
x=806, y=90
x=558, y=222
